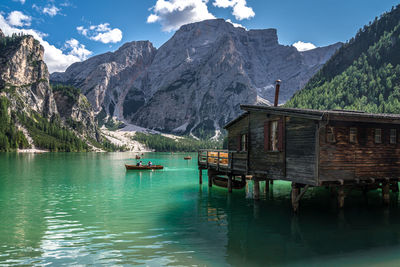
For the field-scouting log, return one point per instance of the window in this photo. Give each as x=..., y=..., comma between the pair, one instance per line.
x=353, y=135
x=243, y=142
x=273, y=140
x=274, y=135
x=330, y=135
x=378, y=136
x=393, y=136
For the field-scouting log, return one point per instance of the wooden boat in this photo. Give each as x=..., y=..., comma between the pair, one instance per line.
x=187, y=157
x=223, y=182
x=144, y=167
x=137, y=157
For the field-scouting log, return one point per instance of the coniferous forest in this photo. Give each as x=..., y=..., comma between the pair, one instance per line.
x=363, y=75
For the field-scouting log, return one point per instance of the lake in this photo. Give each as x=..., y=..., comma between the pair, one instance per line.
x=85, y=208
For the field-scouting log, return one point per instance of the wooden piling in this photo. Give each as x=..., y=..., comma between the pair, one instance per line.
x=200, y=176
x=210, y=176
x=385, y=193
x=266, y=188
x=230, y=183
x=256, y=188
x=340, y=196
x=294, y=197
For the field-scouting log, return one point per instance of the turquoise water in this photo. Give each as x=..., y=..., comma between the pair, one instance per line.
x=68, y=209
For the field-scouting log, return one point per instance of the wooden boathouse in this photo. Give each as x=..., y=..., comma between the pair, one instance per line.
x=337, y=148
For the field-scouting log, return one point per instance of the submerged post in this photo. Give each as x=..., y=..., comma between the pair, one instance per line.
x=294, y=197
x=341, y=195
x=256, y=188
x=385, y=193
x=209, y=172
x=230, y=183
x=200, y=176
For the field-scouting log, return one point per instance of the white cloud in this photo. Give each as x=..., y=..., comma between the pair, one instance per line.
x=240, y=9
x=18, y=19
x=174, y=13
x=237, y=25
x=77, y=49
x=101, y=33
x=21, y=1
x=51, y=10
x=54, y=57
x=301, y=46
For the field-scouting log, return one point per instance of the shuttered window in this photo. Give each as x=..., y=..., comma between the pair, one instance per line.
x=353, y=135
x=393, y=136
x=274, y=135
x=243, y=142
x=378, y=136
x=330, y=135
x=266, y=136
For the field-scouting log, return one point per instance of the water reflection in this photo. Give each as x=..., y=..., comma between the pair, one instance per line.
x=86, y=209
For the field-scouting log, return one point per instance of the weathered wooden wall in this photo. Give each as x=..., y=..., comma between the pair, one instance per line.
x=301, y=160
x=270, y=164
x=234, y=133
x=362, y=160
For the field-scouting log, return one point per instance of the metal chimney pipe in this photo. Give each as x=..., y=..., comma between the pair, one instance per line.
x=278, y=84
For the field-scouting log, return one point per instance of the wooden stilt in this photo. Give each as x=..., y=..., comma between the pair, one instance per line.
x=340, y=196
x=294, y=195
x=256, y=188
x=266, y=188
x=271, y=181
x=210, y=176
x=243, y=178
x=395, y=187
x=230, y=183
x=200, y=176
x=385, y=193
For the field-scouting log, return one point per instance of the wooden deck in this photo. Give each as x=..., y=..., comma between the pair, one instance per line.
x=223, y=161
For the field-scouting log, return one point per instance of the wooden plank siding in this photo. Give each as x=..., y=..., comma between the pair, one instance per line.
x=270, y=164
x=300, y=150
x=342, y=160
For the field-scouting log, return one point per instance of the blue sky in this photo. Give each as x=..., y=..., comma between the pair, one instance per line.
x=73, y=30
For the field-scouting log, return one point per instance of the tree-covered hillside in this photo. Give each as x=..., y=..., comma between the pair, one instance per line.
x=363, y=75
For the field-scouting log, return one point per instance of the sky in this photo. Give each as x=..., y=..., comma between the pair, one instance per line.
x=74, y=30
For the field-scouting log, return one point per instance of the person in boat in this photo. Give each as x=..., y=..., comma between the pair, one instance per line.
x=140, y=163
x=137, y=164
x=149, y=164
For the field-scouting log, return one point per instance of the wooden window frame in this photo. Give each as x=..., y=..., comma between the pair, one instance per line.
x=393, y=137
x=280, y=135
x=243, y=145
x=353, y=132
x=330, y=131
x=376, y=135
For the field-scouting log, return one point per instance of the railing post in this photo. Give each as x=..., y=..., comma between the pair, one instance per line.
x=218, y=162
x=207, y=158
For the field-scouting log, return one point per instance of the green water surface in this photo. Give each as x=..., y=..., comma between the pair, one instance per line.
x=86, y=209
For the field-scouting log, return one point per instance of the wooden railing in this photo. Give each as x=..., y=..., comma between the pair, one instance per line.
x=222, y=159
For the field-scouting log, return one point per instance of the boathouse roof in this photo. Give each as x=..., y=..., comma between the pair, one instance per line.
x=313, y=114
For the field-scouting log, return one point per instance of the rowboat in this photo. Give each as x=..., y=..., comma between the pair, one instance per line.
x=144, y=167
x=187, y=157
x=223, y=182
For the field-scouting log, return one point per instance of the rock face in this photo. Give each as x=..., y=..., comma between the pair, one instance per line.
x=105, y=79
x=196, y=81
x=24, y=80
x=23, y=70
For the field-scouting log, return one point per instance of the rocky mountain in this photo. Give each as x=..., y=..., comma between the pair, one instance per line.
x=363, y=75
x=195, y=82
x=34, y=111
x=105, y=79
